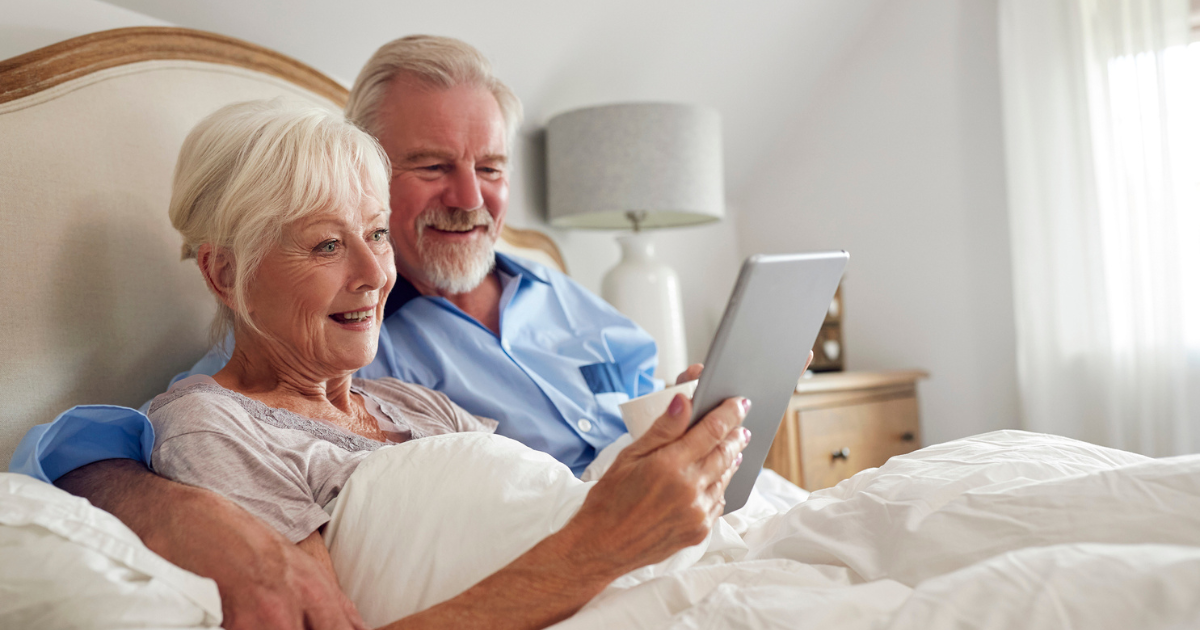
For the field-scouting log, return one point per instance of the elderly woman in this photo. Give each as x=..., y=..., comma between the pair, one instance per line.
x=284, y=209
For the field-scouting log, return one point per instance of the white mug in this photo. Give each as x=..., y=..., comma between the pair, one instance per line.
x=641, y=412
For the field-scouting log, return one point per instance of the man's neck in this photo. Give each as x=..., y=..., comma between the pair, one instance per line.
x=482, y=303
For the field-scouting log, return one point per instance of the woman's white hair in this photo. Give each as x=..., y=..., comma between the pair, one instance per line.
x=249, y=169
x=442, y=62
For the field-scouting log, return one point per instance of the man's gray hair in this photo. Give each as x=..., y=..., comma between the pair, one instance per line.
x=442, y=62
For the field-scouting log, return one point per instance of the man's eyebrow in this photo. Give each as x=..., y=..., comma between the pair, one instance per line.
x=433, y=154
x=425, y=154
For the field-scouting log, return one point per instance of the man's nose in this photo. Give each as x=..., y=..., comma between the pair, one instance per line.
x=463, y=191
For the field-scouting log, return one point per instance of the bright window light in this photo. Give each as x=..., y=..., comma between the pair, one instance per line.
x=1148, y=182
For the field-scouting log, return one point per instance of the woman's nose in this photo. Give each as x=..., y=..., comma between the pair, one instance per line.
x=463, y=190
x=369, y=269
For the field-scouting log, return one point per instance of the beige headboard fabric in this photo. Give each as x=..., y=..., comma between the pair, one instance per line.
x=97, y=307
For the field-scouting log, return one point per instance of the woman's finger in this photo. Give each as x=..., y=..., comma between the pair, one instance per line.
x=726, y=455
x=711, y=430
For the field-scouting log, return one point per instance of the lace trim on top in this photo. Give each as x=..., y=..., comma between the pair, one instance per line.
x=279, y=418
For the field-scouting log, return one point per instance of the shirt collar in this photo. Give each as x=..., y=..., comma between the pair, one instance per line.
x=404, y=291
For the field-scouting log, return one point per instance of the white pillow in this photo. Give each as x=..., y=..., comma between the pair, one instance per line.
x=66, y=564
x=420, y=522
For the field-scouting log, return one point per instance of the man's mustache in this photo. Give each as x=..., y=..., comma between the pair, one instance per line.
x=454, y=220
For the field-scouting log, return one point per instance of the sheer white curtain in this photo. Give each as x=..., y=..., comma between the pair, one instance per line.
x=1102, y=125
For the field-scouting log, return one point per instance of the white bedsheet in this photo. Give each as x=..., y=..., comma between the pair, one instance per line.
x=1004, y=530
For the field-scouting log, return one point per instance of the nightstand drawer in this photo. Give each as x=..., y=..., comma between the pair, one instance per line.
x=837, y=442
x=838, y=425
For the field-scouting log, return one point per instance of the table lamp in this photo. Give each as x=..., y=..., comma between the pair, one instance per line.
x=638, y=166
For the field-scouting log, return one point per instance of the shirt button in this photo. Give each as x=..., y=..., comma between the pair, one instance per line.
x=585, y=425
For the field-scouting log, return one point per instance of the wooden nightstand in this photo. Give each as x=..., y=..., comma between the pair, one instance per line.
x=842, y=422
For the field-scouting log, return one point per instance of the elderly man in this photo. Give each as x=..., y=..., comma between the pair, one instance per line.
x=513, y=341
x=509, y=340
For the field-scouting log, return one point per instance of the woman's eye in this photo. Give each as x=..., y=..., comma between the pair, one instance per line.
x=328, y=247
x=379, y=235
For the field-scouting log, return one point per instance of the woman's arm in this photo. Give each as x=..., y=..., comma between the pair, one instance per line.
x=661, y=494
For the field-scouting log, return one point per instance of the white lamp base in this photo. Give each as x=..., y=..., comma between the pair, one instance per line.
x=647, y=291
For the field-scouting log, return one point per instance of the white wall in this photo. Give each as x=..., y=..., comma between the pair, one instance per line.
x=26, y=26
x=899, y=161
x=859, y=124
x=755, y=61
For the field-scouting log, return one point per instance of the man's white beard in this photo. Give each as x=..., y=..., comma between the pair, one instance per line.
x=453, y=268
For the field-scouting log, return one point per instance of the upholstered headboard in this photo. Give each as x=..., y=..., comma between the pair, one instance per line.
x=97, y=307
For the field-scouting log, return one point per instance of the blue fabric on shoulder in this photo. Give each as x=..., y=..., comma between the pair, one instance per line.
x=82, y=435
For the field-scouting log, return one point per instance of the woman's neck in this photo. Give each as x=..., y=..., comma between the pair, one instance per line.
x=258, y=371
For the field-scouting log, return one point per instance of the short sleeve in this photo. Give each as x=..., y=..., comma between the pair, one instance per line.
x=426, y=411
x=235, y=464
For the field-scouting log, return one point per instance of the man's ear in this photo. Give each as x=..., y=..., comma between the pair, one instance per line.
x=217, y=266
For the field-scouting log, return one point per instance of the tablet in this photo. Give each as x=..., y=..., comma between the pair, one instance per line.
x=770, y=324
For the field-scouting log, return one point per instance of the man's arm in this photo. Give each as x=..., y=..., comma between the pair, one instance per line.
x=661, y=494
x=265, y=581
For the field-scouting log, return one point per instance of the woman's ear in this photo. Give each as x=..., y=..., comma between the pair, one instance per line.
x=217, y=266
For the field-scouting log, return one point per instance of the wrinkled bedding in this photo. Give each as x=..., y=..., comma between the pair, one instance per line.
x=1003, y=530
x=66, y=564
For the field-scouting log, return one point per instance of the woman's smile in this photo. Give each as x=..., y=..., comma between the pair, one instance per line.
x=362, y=319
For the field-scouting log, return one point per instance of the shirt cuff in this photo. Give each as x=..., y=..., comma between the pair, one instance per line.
x=82, y=435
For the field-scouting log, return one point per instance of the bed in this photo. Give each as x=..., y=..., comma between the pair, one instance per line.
x=1005, y=530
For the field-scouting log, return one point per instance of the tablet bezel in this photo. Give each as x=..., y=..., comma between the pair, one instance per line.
x=762, y=343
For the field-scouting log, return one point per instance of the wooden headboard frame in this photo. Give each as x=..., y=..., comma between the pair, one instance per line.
x=59, y=63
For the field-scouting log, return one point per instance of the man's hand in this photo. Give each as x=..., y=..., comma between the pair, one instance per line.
x=664, y=491
x=265, y=581
x=693, y=372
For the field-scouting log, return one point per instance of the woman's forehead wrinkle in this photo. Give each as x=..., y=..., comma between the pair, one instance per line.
x=369, y=213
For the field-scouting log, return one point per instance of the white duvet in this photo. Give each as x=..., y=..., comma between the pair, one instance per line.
x=1004, y=530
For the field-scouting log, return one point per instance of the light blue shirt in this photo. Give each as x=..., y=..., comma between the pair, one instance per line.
x=563, y=361
x=553, y=378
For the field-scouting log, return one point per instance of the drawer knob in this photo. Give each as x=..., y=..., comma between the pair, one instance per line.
x=908, y=436
x=841, y=453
